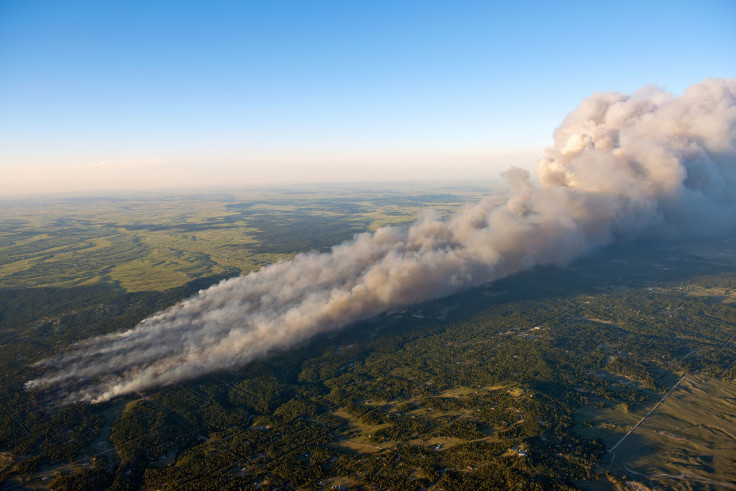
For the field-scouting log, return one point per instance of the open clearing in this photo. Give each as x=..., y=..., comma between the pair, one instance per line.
x=609, y=423
x=359, y=434
x=725, y=295
x=689, y=442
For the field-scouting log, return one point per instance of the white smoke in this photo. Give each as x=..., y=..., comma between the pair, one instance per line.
x=622, y=166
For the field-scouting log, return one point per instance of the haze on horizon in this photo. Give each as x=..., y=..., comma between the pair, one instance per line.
x=140, y=96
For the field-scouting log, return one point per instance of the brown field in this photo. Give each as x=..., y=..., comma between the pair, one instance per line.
x=689, y=442
x=725, y=295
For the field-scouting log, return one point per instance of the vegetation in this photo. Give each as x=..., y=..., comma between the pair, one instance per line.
x=148, y=244
x=524, y=383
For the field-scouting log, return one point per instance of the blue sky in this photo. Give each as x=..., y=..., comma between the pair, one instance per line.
x=132, y=94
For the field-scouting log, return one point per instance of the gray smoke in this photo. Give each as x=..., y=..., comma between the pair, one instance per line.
x=622, y=166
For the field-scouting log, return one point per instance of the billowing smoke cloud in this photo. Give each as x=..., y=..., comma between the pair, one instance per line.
x=622, y=166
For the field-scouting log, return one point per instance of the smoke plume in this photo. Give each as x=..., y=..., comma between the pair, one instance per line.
x=622, y=166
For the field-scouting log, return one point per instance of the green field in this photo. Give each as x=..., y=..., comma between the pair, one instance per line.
x=154, y=243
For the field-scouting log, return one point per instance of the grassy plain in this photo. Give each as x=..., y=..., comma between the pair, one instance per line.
x=148, y=243
x=689, y=442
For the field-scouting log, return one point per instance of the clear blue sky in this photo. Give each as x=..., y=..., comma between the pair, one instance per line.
x=321, y=90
